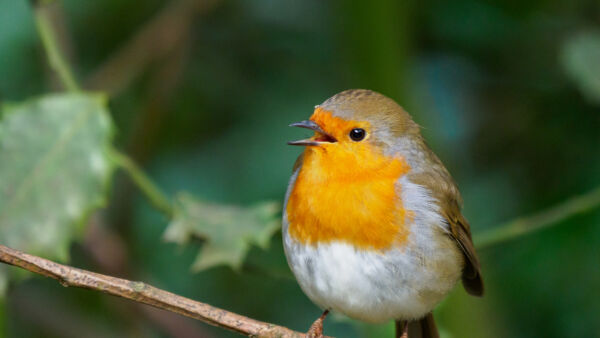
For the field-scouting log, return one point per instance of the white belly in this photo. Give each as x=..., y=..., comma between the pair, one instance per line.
x=375, y=286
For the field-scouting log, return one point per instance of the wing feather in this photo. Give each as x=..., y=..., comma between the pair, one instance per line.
x=461, y=232
x=444, y=190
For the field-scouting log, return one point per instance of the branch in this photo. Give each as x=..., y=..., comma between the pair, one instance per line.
x=540, y=220
x=143, y=293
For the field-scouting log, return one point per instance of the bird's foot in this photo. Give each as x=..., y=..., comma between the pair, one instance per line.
x=316, y=329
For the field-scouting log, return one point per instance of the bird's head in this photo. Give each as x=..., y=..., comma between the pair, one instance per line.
x=357, y=130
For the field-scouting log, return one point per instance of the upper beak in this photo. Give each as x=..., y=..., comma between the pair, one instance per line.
x=313, y=141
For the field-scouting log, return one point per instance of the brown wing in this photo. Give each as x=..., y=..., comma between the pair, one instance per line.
x=443, y=188
x=461, y=232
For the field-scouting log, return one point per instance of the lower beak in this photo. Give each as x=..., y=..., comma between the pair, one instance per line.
x=322, y=137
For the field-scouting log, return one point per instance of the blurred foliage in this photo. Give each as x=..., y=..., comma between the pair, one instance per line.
x=580, y=56
x=506, y=92
x=54, y=170
x=228, y=230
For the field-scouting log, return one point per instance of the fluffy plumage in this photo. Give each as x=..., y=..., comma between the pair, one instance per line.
x=373, y=229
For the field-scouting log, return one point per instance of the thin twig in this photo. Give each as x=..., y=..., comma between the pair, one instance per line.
x=55, y=57
x=155, y=40
x=156, y=197
x=540, y=220
x=143, y=293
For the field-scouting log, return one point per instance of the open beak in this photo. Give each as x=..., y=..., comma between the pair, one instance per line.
x=319, y=138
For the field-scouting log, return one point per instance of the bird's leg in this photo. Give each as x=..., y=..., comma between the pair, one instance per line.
x=405, y=330
x=316, y=329
x=402, y=329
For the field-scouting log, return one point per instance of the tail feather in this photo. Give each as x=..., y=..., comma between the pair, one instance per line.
x=423, y=328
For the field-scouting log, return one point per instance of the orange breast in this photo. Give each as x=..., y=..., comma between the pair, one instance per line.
x=349, y=197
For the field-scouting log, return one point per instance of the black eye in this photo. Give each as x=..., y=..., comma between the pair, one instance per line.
x=357, y=134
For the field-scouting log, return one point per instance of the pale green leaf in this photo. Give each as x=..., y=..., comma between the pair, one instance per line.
x=581, y=60
x=54, y=170
x=228, y=230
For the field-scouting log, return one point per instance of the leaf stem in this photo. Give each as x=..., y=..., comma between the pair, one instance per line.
x=538, y=221
x=55, y=56
x=156, y=197
x=59, y=65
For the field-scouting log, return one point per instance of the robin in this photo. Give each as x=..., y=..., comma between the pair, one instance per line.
x=372, y=220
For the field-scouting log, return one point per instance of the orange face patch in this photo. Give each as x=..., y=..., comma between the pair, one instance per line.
x=346, y=191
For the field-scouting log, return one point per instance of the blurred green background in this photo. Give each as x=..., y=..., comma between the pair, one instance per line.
x=201, y=93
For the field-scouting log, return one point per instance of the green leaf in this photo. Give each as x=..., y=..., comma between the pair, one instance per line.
x=581, y=60
x=228, y=230
x=54, y=170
